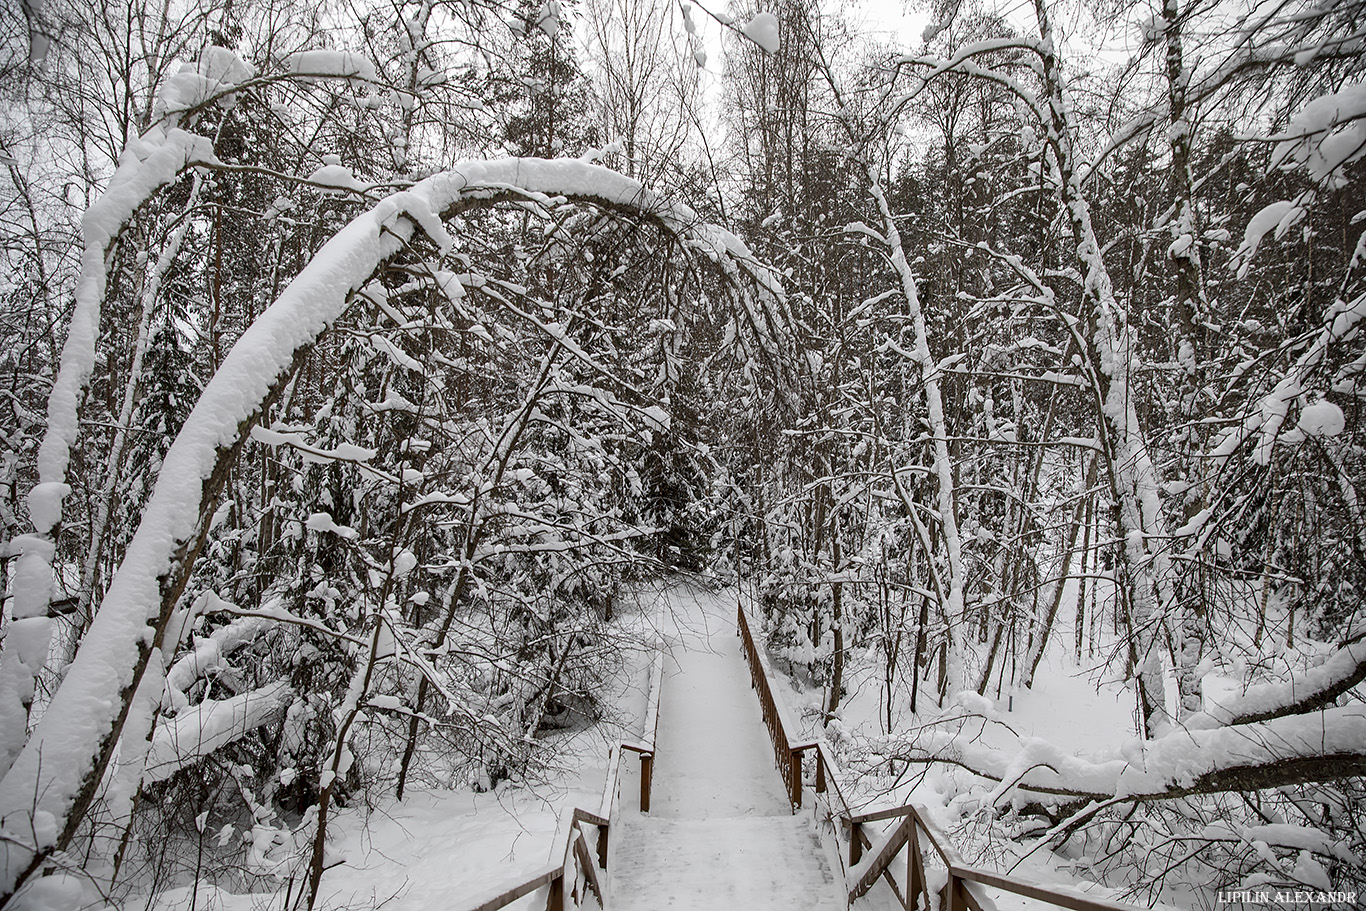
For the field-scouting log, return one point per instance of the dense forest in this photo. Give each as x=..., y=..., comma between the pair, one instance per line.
x=359, y=358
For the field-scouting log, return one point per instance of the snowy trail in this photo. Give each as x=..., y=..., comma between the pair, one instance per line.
x=721, y=834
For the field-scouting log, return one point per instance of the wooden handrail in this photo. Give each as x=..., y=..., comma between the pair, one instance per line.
x=548, y=876
x=878, y=815
x=787, y=753
x=919, y=835
x=562, y=875
x=840, y=814
x=915, y=833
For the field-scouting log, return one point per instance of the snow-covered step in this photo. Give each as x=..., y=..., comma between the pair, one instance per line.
x=746, y=863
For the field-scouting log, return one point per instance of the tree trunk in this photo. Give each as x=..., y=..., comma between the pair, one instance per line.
x=1190, y=354
x=1109, y=363
x=837, y=620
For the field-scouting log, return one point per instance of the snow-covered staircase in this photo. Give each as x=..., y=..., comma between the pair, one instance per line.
x=721, y=834
x=745, y=863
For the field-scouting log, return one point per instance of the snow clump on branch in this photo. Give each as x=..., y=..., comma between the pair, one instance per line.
x=763, y=31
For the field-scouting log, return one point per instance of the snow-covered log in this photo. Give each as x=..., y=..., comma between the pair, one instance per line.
x=211, y=725
x=1317, y=746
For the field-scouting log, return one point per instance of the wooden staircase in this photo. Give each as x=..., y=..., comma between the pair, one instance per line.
x=740, y=843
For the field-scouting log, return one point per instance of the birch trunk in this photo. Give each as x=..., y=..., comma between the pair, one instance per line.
x=1190, y=306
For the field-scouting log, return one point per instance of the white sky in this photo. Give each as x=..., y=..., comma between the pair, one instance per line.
x=898, y=22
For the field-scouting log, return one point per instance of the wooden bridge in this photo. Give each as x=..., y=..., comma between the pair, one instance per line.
x=714, y=829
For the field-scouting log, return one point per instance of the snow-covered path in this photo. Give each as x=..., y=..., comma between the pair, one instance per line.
x=721, y=834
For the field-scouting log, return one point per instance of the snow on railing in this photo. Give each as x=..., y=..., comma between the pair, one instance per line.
x=787, y=753
x=646, y=746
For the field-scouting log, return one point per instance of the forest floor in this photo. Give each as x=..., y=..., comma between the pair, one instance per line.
x=438, y=847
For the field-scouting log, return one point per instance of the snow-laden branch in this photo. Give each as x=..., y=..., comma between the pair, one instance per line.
x=1315, y=688
x=210, y=650
x=963, y=63
x=146, y=165
x=214, y=723
x=1265, y=418
x=63, y=760
x=1327, y=135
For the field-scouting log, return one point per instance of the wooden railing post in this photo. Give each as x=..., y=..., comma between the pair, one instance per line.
x=855, y=843
x=915, y=866
x=647, y=767
x=554, y=899
x=954, y=895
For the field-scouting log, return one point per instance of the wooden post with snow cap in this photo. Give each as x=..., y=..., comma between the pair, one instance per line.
x=646, y=747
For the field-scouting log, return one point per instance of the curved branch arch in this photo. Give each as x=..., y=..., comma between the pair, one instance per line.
x=52, y=782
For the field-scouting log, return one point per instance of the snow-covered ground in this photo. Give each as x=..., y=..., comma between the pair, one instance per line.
x=421, y=854
x=439, y=849
x=418, y=854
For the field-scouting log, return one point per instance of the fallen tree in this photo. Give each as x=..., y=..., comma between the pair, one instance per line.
x=1297, y=749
